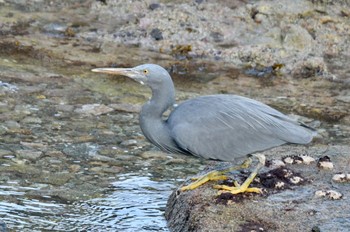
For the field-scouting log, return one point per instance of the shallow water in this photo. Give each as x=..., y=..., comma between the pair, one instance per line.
x=132, y=203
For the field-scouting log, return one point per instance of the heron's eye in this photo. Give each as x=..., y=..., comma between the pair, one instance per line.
x=145, y=71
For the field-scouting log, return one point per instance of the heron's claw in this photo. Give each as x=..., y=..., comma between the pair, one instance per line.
x=219, y=175
x=245, y=186
x=237, y=189
x=213, y=175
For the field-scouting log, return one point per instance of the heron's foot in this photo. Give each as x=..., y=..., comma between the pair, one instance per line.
x=245, y=186
x=213, y=175
x=237, y=188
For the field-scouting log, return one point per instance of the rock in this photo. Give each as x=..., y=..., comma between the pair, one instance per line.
x=202, y=209
x=5, y=153
x=125, y=107
x=153, y=6
x=175, y=161
x=29, y=154
x=325, y=163
x=156, y=34
x=275, y=163
x=310, y=67
x=341, y=178
x=154, y=155
x=58, y=179
x=331, y=194
x=12, y=125
x=102, y=158
x=296, y=37
x=307, y=159
x=94, y=109
x=31, y=120
x=74, y=168
x=113, y=169
x=128, y=143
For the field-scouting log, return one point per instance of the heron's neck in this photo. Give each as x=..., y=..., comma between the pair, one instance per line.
x=161, y=100
x=153, y=126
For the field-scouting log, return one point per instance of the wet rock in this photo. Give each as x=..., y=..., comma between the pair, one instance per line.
x=102, y=158
x=153, y=6
x=31, y=120
x=153, y=155
x=65, y=108
x=3, y=130
x=3, y=227
x=128, y=143
x=55, y=28
x=8, y=87
x=29, y=154
x=94, y=109
x=156, y=34
x=125, y=107
x=175, y=161
x=40, y=146
x=5, y=153
x=55, y=153
x=58, y=178
x=113, y=169
x=74, y=168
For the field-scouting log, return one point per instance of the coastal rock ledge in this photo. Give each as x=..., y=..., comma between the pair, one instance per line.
x=295, y=207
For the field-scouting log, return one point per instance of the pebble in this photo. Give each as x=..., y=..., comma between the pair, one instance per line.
x=175, y=161
x=54, y=28
x=128, y=143
x=114, y=169
x=330, y=194
x=125, y=107
x=74, y=168
x=29, y=154
x=94, y=109
x=341, y=178
x=32, y=120
x=153, y=155
x=307, y=159
x=292, y=160
x=273, y=164
x=156, y=34
x=3, y=130
x=12, y=125
x=296, y=179
x=102, y=158
x=154, y=6
x=325, y=163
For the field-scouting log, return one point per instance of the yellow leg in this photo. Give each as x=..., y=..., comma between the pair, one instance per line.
x=215, y=175
x=245, y=186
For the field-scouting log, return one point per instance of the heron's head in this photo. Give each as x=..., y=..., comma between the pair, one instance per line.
x=149, y=74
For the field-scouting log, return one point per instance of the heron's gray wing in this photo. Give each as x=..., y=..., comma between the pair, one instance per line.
x=227, y=126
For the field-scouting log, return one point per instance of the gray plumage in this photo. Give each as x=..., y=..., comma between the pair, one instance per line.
x=221, y=127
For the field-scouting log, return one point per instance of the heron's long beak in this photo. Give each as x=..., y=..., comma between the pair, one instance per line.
x=128, y=72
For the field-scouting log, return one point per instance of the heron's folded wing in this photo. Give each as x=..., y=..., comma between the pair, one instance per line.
x=225, y=126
